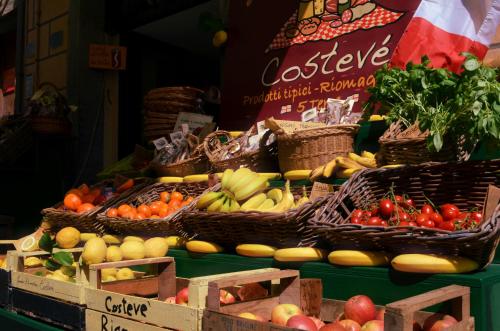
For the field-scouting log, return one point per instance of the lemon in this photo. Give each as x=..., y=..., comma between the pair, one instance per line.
x=133, y=238
x=32, y=261
x=94, y=251
x=133, y=250
x=68, y=237
x=176, y=241
x=86, y=236
x=29, y=244
x=106, y=272
x=69, y=271
x=125, y=273
x=59, y=275
x=156, y=247
x=109, y=279
x=3, y=264
x=110, y=239
x=113, y=254
x=220, y=38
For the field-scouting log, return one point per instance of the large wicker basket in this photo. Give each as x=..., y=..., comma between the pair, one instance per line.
x=152, y=227
x=464, y=184
x=264, y=159
x=409, y=146
x=311, y=148
x=196, y=164
x=58, y=217
x=282, y=230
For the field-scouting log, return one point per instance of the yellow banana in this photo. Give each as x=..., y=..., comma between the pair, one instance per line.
x=255, y=250
x=217, y=205
x=358, y=258
x=226, y=178
x=297, y=174
x=225, y=206
x=266, y=205
x=208, y=198
x=238, y=175
x=346, y=173
x=246, y=182
x=347, y=163
x=271, y=175
x=256, y=185
x=316, y=173
x=196, y=178
x=330, y=168
x=392, y=166
x=276, y=194
x=299, y=254
x=368, y=155
x=304, y=198
x=364, y=161
x=235, y=206
x=288, y=201
x=433, y=264
x=170, y=179
x=376, y=117
x=254, y=202
x=199, y=246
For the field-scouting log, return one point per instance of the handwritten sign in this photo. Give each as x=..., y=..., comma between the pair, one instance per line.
x=320, y=190
x=97, y=321
x=297, y=54
x=109, y=57
x=49, y=287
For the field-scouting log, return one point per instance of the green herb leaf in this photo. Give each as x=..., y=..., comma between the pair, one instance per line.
x=52, y=265
x=63, y=258
x=46, y=243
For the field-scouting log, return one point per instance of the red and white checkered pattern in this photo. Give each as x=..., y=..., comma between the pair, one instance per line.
x=377, y=18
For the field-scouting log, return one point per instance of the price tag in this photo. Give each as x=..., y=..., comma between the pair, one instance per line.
x=185, y=128
x=320, y=190
x=160, y=143
x=261, y=127
x=310, y=115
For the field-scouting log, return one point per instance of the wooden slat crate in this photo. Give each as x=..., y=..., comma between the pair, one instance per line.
x=399, y=315
x=154, y=311
x=5, y=291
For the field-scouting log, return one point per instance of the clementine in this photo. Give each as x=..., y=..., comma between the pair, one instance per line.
x=72, y=201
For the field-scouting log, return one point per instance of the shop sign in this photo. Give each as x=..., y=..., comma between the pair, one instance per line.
x=284, y=57
x=109, y=57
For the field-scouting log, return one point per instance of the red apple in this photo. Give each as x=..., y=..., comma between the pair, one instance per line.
x=350, y=325
x=335, y=326
x=251, y=316
x=301, y=322
x=281, y=313
x=170, y=300
x=450, y=318
x=431, y=321
x=319, y=323
x=416, y=327
x=374, y=325
x=380, y=314
x=360, y=308
x=182, y=296
x=226, y=297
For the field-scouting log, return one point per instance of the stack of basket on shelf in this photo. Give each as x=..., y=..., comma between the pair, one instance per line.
x=464, y=184
x=162, y=106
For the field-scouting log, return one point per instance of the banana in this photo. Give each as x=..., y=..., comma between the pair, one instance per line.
x=432, y=264
x=358, y=258
x=254, y=202
x=376, y=117
x=299, y=254
x=266, y=205
x=276, y=194
x=304, y=198
x=237, y=176
x=329, y=168
x=255, y=186
x=271, y=175
x=288, y=201
x=347, y=163
x=255, y=250
x=226, y=206
x=217, y=205
x=297, y=174
x=246, y=181
x=316, y=173
x=196, y=178
x=368, y=155
x=199, y=246
x=235, y=206
x=346, y=173
x=364, y=161
x=208, y=198
x=175, y=241
x=170, y=179
x=226, y=178
x=392, y=166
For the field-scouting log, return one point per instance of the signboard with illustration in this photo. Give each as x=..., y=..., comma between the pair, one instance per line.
x=284, y=57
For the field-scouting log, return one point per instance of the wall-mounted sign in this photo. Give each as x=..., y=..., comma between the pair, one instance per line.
x=109, y=57
x=284, y=57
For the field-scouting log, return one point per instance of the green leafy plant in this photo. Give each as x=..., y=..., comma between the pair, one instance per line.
x=58, y=259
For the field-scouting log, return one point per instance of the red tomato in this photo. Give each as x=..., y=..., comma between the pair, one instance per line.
x=404, y=223
x=428, y=224
x=356, y=220
x=384, y=223
x=367, y=214
x=427, y=209
x=436, y=218
x=413, y=224
x=404, y=216
x=449, y=211
x=374, y=210
x=420, y=219
x=357, y=213
x=448, y=226
x=386, y=207
x=374, y=221
x=409, y=203
x=477, y=216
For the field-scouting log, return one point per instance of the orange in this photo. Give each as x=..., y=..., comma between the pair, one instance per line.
x=125, y=186
x=85, y=207
x=131, y=214
x=72, y=201
x=154, y=207
x=154, y=216
x=164, y=196
x=189, y=199
x=124, y=209
x=84, y=189
x=141, y=216
x=89, y=198
x=95, y=191
x=164, y=211
x=143, y=209
x=75, y=191
x=174, y=203
x=184, y=203
x=176, y=196
x=112, y=212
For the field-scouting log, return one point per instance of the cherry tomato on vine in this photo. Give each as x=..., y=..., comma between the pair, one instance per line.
x=449, y=211
x=413, y=223
x=386, y=207
x=428, y=224
x=404, y=223
x=436, y=218
x=384, y=223
x=427, y=209
x=404, y=216
x=477, y=216
x=356, y=220
x=374, y=221
x=399, y=199
x=409, y=203
x=357, y=213
x=420, y=219
x=367, y=214
x=448, y=226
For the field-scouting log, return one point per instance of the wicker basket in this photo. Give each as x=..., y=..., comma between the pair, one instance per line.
x=58, y=217
x=311, y=148
x=16, y=142
x=197, y=164
x=264, y=159
x=152, y=227
x=282, y=230
x=409, y=146
x=464, y=184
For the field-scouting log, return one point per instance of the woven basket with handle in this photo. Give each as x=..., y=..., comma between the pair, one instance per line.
x=311, y=148
x=464, y=184
x=151, y=227
x=264, y=159
x=196, y=164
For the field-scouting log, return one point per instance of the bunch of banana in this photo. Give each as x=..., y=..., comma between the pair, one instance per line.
x=344, y=167
x=275, y=201
x=236, y=186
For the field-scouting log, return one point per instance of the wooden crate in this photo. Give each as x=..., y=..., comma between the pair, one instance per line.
x=5, y=290
x=154, y=311
x=399, y=315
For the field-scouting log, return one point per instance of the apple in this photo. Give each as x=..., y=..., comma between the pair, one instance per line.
x=431, y=322
x=170, y=300
x=350, y=325
x=335, y=326
x=380, y=314
x=301, y=322
x=319, y=323
x=226, y=297
x=282, y=312
x=373, y=325
x=416, y=327
x=251, y=316
x=182, y=297
x=360, y=308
